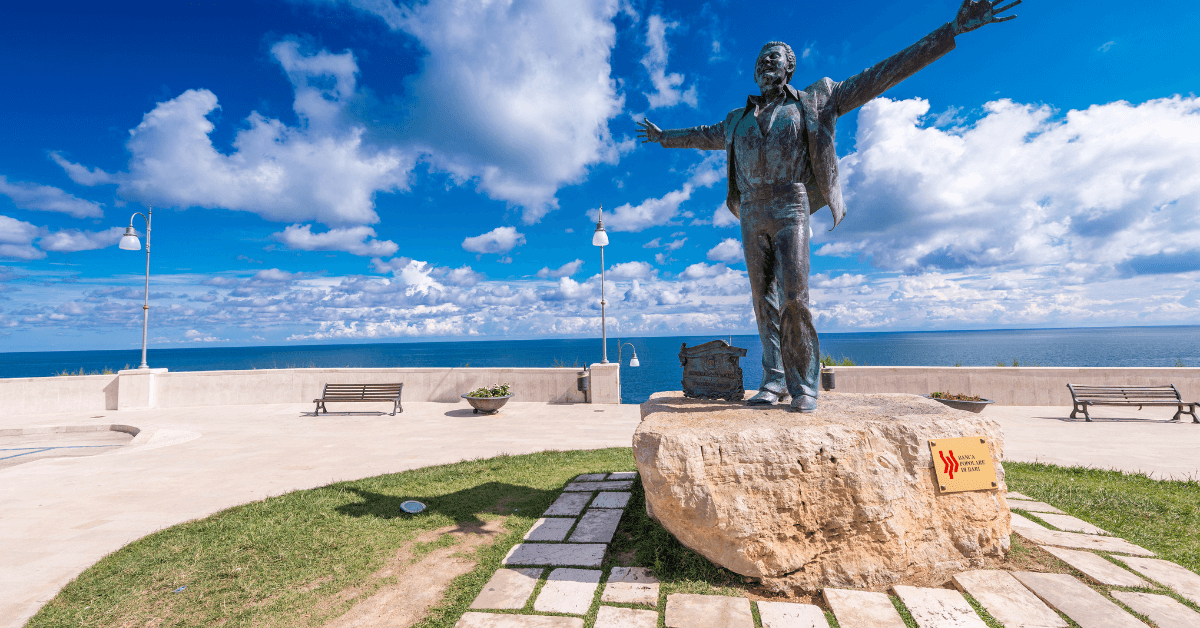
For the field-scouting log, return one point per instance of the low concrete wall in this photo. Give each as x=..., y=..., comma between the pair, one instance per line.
x=68, y=393
x=158, y=388
x=1009, y=386
x=219, y=388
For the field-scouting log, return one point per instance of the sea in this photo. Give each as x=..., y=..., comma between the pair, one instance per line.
x=658, y=357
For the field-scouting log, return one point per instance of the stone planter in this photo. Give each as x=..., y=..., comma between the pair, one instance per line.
x=487, y=405
x=969, y=406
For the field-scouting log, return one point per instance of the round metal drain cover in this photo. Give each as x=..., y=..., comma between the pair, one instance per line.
x=412, y=507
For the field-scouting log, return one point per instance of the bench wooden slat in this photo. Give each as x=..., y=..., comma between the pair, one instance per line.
x=1083, y=396
x=361, y=393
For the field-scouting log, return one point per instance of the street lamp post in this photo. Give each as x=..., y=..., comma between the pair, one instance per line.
x=600, y=239
x=633, y=362
x=130, y=242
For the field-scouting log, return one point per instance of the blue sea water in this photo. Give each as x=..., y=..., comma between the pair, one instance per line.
x=660, y=369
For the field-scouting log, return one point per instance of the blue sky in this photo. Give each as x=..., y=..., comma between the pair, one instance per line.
x=365, y=170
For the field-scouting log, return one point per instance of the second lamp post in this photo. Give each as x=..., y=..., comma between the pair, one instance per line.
x=600, y=239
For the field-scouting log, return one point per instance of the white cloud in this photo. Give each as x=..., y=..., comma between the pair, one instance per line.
x=526, y=86
x=1110, y=190
x=728, y=250
x=566, y=270
x=16, y=239
x=354, y=240
x=630, y=270
x=724, y=218
x=81, y=174
x=845, y=280
x=71, y=240
x=498, y=240
x=1106, y=46
x=192, y=335
x=653, y=212
x=48, y=199
x=320, y=171
x=666, y=86
x=700, y=270
x=673, y=245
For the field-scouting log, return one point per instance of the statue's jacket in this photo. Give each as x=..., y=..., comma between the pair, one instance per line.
x=820, y=104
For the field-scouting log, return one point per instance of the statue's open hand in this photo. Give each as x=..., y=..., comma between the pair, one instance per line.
x=648, y=132
x=975, y=13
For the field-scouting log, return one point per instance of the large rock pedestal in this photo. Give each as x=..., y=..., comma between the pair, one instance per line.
x=841, y=497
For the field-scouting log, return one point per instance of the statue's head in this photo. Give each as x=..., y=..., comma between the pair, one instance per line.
x=775, y=64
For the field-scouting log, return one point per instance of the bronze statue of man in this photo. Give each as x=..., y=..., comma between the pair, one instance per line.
x=782, y=167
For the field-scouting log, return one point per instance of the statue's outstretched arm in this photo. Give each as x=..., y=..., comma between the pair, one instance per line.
x=708, y=137
x=861, y=88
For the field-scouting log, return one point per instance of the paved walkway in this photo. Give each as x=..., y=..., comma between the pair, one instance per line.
x=59, y=516
x=1118, y=438
x=551, y=572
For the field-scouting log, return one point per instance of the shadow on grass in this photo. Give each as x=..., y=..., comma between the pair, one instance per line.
x=463, y=506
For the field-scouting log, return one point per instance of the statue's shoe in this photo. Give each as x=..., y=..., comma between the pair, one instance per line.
x=765, y=398
x=804, y=403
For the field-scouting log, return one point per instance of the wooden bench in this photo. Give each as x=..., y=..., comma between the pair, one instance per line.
x=359, y=393
x=1084, y=396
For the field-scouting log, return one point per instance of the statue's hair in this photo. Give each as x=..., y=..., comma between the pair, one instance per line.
x=791, y=56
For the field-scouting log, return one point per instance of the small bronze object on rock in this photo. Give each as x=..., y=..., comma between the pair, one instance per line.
x=712, y=371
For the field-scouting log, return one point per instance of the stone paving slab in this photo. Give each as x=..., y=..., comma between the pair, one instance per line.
x=1176, y=578
x=508, y=589
x=685, y=610
x=938, y=608
x=1033, y=506
x=623, y=475
x=549, y=529
x=863, y=609
x=597, y=525
x=568, y=505
x=556, y=554
x=1007, y=600
x=614, y=617
x=791, y=615
x=1046, y=536
x=1068, y=523
x=1015, y=495
x=591, y=477
x=611, y=500
x=1077, y=600
x=496, y=620
x=1164, y=611
x=568, y=591
x=598, y=486
x=631, y=585
x=1097, y=568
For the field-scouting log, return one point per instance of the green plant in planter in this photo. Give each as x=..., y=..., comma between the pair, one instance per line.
x=956, y=397
x=495, y=390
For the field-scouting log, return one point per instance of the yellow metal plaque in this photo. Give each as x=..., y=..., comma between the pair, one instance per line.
x=963, y=464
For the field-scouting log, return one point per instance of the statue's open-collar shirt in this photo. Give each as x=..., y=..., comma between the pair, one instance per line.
x=781, y=156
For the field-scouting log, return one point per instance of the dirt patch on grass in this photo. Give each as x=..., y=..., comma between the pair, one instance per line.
x=414, y=585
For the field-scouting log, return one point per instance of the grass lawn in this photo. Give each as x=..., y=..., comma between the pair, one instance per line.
x=286, y=560
x=289, y=560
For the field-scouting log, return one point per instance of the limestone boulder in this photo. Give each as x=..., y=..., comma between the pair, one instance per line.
x=842, y=497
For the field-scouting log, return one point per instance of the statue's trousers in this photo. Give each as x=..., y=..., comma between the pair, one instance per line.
x=775, y=239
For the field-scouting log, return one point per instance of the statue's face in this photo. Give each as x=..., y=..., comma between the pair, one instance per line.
x=771, y=67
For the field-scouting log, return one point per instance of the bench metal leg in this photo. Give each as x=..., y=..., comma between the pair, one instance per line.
x=1080, y=407
x=1191, y=409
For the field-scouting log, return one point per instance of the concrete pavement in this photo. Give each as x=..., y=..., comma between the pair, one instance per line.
x=59, y=516
x=1121, y=438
